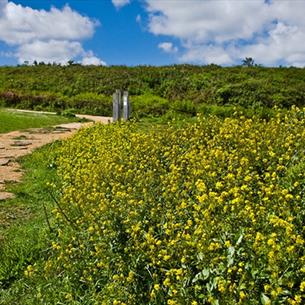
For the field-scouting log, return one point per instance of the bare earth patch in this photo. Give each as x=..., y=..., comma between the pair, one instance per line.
x=16, y=144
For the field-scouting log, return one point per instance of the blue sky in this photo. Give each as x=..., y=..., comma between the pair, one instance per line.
x=153, y=32
x=119, y=39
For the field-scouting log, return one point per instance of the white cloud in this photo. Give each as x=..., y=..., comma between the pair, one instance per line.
x=41, y=35
x=283, y=42
x=89, y=59
x=167, y=47
x=59, y=51
x=120, y=3
x=225, y=31
x=202, y=21
x=20, y=24
x=207, y=54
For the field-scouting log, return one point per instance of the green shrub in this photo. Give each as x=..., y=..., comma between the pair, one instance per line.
x=149, y=105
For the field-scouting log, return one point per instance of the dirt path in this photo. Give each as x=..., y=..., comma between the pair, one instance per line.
x=16, y=144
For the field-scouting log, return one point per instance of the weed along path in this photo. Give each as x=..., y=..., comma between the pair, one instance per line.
x=16, y=144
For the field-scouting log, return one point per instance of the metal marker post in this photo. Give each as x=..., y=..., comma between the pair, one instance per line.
x=126, y=106
x=119, y=93
x=116, y=105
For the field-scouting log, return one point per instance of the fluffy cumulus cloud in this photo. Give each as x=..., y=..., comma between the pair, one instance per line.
x=49, y=36
x=207, y=54
x=49, y=51
x=120, y=3
x=90, y=59
x=167, y=47
x=225, y=31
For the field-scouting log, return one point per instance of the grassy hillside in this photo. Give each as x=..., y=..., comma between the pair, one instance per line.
x=207, y=212
x=156, y=91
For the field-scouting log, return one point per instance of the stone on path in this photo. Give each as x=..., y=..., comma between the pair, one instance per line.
x=21, y=143
x=4, y=162
x=20, y=147
x=6, y=195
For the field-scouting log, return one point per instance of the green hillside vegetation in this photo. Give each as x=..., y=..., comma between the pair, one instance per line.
x=155, y=91
x=207, y=209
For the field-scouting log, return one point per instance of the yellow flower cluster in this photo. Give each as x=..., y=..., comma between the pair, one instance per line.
x=210, y=213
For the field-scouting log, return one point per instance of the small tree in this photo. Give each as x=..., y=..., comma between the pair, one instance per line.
x=248, y=62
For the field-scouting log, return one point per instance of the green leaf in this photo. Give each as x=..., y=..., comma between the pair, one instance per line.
x=265, y=300
x=240, y=239
x=202, y=275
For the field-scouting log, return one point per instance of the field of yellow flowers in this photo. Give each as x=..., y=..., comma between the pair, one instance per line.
x=209, y=213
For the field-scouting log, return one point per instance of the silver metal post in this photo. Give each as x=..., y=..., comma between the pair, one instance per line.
x=116, y=105
x=126, y=106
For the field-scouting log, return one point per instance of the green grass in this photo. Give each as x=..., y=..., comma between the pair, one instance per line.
x=12, y=120
x=23, y=226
